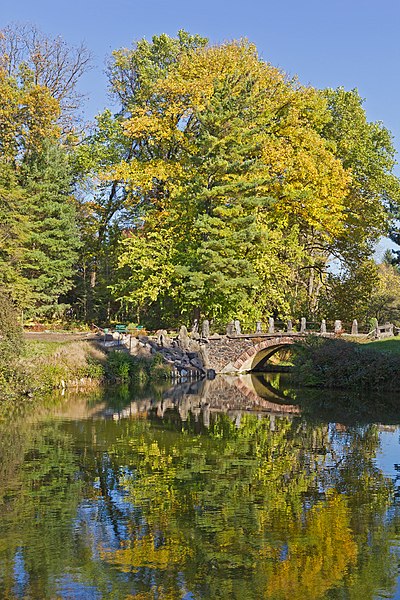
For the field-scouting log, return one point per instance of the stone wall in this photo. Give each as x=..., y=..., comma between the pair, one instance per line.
x=236, y=354
x=218, y=353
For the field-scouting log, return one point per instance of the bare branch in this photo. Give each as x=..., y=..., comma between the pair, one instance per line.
x=28, y=54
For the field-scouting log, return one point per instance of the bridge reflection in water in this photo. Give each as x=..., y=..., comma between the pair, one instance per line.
x=181, y=494
x=234, y=395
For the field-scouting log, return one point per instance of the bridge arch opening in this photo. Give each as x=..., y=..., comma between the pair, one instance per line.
x=262, y=357
x=257, y=356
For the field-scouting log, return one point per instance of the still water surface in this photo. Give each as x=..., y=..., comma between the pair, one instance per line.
x=237, y=489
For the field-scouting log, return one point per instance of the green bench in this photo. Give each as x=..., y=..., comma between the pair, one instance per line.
x=128, y=328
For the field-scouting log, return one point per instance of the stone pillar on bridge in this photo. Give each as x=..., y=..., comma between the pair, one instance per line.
x=323, y=326
x=338, y=326
x=354, y=327
x=230, y=328
x=205, y=329
x=303, y=325
x=183, y=338
x=271, y=325
x=238, y=329
x=290, y=326
x=258, y=327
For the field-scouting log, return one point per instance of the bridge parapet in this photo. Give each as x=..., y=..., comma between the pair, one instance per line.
x=239, y=352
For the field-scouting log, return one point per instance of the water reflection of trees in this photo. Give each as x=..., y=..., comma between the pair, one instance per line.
x=265, y=508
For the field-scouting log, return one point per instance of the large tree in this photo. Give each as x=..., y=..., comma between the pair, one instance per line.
x=106, y=206
x=230, y=158
x=51, y=237
x=38, y=234
x=231, y=187
x=366, y=150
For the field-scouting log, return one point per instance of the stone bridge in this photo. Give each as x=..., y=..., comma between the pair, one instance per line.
x=234, y=352
x=243, y=353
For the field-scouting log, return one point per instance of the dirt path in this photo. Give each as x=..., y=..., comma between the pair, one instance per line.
x=49, y=336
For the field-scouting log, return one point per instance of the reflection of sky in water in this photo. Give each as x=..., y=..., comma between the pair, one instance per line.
x=389, y=454
x=67, y=589
x=21, y=577
x=386, y=459
x=106, y=520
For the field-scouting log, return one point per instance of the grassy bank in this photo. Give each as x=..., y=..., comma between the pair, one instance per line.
x=44, y=365
x=390, y=345
x=336, y=363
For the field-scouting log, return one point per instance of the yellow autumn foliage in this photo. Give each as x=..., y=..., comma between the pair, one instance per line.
x=28, y=115
x=318, y=558
x=296, y=164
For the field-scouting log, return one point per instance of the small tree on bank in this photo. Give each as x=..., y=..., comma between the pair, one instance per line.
x=11, y=336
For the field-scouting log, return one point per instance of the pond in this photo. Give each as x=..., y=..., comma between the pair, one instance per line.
x=237, y=488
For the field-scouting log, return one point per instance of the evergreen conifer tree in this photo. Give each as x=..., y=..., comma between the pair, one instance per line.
x=52, y=239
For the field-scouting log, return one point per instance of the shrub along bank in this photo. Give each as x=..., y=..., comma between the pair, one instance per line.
x=122, y=367
x=336, y=363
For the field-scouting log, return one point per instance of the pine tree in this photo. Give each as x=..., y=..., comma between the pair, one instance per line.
x=12, y=232
x=52, y=240
x=227, y=190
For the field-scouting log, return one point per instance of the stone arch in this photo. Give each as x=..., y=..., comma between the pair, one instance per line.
x=248, y=360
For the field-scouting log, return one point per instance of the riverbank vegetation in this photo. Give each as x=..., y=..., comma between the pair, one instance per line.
x=122, y=367
x=336, y=363
x=218, y=187
x=31, y=366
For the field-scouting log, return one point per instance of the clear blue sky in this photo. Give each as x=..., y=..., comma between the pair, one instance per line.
x=354, y=43
x=327, y=44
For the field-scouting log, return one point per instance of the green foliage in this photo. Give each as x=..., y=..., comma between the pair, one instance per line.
x=39, y=237
x=367, y=149
x=221, y=188
x=11, y=338
x=124, y=367
x=119, y=364
x=335, y=363
x=220, y=220
x=51, y=241
x=367, y=292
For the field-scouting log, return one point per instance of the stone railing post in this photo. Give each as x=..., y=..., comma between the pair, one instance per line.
x=258, y=327
x=290, y=326
x=354, y=327
x=238, y=329
x=338, y=326
x=271, y=325
x=183, y=338
x=205, y=329
x=323, y=326
x=230, y=328
x=303, y=325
